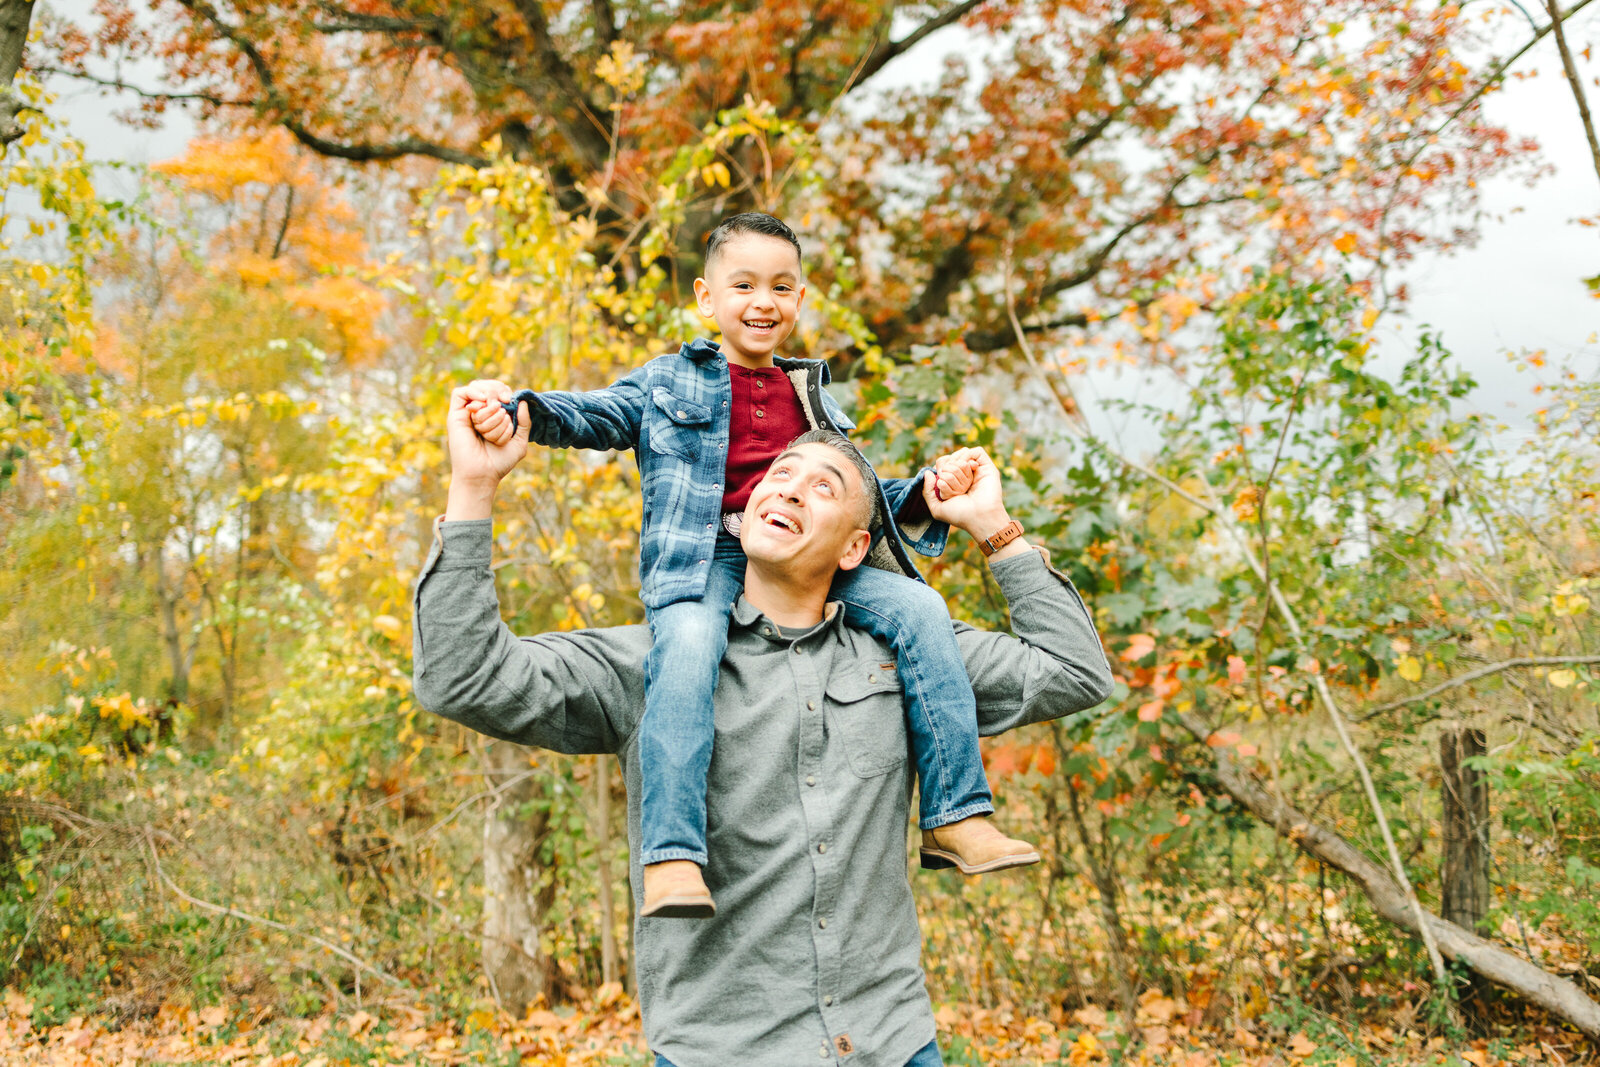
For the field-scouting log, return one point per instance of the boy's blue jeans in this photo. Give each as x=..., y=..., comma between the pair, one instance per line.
x=927, y=1056
x=680, y=676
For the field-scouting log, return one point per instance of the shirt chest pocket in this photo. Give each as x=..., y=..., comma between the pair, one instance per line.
x=678, y=425
x=865, y=710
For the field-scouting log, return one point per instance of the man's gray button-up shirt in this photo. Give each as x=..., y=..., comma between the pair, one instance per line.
x=814, y=951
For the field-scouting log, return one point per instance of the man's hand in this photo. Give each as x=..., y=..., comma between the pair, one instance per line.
x=981, y=510
x=476, y=464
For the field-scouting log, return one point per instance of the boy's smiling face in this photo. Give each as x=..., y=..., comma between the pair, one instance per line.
x=752, y=290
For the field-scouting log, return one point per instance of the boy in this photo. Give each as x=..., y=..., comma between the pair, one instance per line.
x=705, y=423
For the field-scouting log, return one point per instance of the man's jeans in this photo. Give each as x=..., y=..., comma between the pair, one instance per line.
x=927, y=1056
x=680, y=677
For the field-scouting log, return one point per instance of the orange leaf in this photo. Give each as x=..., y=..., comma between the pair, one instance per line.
x=1151, y=712
x=1346, y=243
x=1139, y=646
x=1236, y=669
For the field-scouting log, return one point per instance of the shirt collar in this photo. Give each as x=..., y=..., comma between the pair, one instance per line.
x=704, y=348
x=746, y=616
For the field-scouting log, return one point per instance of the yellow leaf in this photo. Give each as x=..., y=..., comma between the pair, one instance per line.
x=1410, y=668
x=387, y=625
x=1563, y=678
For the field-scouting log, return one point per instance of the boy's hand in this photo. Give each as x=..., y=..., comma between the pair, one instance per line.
x=981, y=510
x=953, y=473
x=488, y=417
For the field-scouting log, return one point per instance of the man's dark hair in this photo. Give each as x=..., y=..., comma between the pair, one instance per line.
x=749, y=222
x=868, y=515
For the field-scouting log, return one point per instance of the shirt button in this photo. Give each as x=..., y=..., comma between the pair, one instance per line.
x=822, y=923
x=872, y=677
x=702, y=563
x=827, y=999
x=683, y=414
x=811, y=779
x=822, y=847
x=760, y=414
x=825, y=1052
x=709, y=526
x=811, y=705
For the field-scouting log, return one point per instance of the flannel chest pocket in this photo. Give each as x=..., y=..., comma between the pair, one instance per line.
x=678, y=424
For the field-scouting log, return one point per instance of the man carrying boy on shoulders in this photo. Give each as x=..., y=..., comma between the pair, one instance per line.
x=813, y=955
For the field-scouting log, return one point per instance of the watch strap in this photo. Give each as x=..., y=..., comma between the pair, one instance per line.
x=1001, y=538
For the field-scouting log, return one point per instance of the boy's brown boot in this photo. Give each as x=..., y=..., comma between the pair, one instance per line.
x=676, y=890
x=973, y=846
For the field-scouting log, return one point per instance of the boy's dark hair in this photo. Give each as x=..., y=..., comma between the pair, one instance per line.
x=869, y=516
x=749, y=222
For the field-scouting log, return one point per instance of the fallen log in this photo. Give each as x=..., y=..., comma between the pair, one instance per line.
x=1494, y=963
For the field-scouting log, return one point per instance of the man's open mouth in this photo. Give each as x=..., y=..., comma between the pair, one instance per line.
x=781, y=521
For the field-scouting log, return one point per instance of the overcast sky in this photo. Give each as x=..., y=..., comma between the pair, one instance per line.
x=1519, y=287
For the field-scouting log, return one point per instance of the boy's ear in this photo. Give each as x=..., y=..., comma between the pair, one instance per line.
x=702, y=298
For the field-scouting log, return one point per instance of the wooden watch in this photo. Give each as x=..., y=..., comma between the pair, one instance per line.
x=1001, y=538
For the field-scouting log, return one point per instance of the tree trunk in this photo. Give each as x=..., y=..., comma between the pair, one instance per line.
x=14, y=18
x=514, y=902
x=1105, y=884
x=1465, y=873
x=1499, y=965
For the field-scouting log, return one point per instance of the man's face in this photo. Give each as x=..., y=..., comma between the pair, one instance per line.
x=752, y=289
x=805, y=514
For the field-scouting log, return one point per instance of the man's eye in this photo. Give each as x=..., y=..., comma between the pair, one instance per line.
x=827, y=487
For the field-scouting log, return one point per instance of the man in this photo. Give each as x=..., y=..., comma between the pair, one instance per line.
x=813, y=956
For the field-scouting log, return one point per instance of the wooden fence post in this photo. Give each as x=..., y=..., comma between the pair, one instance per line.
x=1465, y=860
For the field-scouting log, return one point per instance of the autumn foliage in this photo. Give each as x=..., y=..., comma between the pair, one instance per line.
x=227, y=832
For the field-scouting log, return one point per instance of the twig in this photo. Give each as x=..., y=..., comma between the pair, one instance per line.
x=1571, y=70
x=218, y=909
x=1474, y=675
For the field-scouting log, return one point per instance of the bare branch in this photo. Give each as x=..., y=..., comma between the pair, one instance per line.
x=218, y=909
x=880, y=56
x=1473, y=675
x=1574, y=81
x=147, y=94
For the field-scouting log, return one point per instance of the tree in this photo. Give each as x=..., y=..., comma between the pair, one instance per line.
x=14, y=18
x=1098, y=147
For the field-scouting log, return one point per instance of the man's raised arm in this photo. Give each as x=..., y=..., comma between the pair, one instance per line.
x=1055, y=665
x=574, y=692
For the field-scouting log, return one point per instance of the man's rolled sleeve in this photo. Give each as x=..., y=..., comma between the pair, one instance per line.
x=568, y=692
x=1055, y=664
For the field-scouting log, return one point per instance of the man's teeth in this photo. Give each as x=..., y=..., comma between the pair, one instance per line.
x=784, y=521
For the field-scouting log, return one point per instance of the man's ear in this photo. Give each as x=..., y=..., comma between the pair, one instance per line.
x=702, y=298
x=855, y=550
